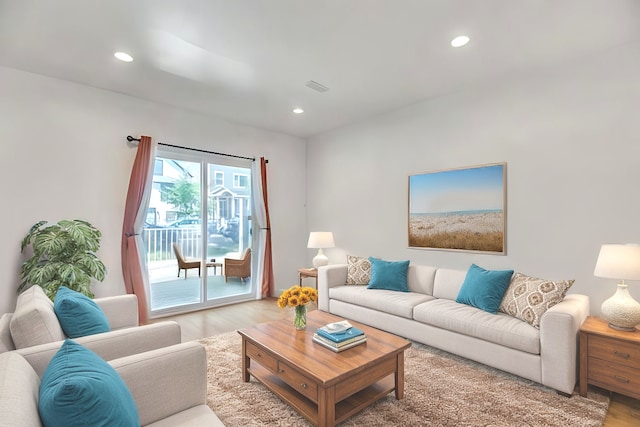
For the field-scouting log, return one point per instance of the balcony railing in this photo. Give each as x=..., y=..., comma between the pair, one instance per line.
x=159, y=243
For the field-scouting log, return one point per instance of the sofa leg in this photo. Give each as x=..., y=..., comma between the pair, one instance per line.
x=562, y=393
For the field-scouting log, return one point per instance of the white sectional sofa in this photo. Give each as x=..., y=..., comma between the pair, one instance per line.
x=168, y=386
x=167, y=379
x=33, y=329
x=429, y=314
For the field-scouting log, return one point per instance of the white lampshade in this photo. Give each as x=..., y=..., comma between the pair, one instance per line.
x=620, y=262
x=320, y=240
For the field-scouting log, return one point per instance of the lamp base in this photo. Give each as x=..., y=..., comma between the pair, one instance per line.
x=320, y=259
x=622, y=328
x=621, y=310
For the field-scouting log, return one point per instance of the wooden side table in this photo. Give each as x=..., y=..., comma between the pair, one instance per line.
x=609, y=358
x=307, y=272
x=215, y=266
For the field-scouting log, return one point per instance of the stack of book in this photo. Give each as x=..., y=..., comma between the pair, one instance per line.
x=339, y=336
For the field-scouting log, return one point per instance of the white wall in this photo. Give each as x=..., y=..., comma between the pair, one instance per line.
x=63, y=154
x=570, y=136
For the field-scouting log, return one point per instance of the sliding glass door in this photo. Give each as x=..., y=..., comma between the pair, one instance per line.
x=199, y=218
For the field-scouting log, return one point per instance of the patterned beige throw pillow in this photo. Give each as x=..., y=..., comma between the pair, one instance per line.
x=358, y=270
x=528, y=298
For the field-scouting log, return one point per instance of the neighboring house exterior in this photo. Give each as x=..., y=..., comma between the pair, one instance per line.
x=229, y=192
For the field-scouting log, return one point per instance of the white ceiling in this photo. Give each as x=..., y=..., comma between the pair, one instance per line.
x=248, y=60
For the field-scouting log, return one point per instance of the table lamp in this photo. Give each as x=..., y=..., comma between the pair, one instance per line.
x=620, y=262
x=320, y=240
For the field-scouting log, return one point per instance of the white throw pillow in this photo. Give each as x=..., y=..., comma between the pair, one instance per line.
x=34, y=321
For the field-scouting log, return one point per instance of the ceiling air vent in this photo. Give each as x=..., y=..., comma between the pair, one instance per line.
x=316, y=86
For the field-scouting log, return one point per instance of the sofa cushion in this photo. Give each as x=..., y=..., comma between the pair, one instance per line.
x=484, y=288
x=528, y=298
x=78, y=314
x=447, y=283
x=199, y=415
x=389, y=275
x=392, y=302
x=34, y=321
x=79, y=388
x=19, y=385
x=358, y=270
x=420, y=279
x=6, y=342
x=498, y=328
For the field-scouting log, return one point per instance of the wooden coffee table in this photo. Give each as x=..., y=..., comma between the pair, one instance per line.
x=324, y=387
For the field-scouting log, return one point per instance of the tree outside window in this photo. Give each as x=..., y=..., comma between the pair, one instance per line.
x=184, y=195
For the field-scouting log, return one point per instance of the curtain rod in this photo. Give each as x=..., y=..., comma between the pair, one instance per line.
x=253, y=159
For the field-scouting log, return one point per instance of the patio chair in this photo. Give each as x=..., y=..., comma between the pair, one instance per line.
x=238, y=267
x=183, y=264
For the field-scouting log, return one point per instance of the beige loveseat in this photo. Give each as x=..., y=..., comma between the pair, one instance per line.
x=33, y=328
x=169, y=387
x=429, y=314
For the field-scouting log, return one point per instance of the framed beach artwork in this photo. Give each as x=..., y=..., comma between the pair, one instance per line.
x=459, y=209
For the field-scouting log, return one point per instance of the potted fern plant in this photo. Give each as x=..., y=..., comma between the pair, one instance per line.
x=64, y=254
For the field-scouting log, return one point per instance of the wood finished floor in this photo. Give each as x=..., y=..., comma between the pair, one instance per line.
x=623, y=411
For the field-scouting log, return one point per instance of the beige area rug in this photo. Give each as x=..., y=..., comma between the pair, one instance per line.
x=440, y=390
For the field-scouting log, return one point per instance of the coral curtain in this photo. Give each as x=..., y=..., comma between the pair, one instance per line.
x=264, y=264
x=133, y=261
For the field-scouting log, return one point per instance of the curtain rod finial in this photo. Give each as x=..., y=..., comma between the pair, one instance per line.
x=130, y=138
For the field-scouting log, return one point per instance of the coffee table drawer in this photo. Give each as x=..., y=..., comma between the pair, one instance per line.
x=262, y=357
x=298, y=381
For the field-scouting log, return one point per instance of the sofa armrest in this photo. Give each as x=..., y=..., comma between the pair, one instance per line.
x=559, y=328
x=328, y=277
x=166, y=381
x=19, y=386
x=6, y=342
x=121, y=310
x=110, y=345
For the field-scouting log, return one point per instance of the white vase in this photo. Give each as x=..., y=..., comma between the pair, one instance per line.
x=621, y=310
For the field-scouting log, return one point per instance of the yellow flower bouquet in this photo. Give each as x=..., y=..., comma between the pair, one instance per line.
x=297, y=297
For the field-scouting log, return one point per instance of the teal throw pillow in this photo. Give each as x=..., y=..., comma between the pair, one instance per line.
x=78, y=314
x=484, y=289
x=389, y=275
x=78, y=388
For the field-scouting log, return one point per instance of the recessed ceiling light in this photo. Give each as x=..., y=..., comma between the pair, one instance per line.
x=298, y=111
x=459, y=41
x=122, y=56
